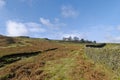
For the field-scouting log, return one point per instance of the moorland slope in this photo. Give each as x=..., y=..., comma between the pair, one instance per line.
x=41, y=59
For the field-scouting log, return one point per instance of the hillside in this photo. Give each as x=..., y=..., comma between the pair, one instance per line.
x=41, y=59
x=5, y=41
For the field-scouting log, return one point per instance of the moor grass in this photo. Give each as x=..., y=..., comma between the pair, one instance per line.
x=55, y=61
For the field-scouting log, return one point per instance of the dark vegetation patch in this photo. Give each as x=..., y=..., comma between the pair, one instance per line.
x=23, y=37
x=7, y=76
x=18, y=56
x=34, y=70
x=100, y=45
x=15, y=57
x=50, y=49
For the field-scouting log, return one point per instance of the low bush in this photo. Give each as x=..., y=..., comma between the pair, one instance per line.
x=100, y=45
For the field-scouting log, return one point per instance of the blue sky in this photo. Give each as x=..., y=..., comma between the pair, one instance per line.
x=90, y=19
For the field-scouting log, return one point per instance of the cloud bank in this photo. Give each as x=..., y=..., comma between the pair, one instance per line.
x=21, y=29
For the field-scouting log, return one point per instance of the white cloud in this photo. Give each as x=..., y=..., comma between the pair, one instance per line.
x=67, y=34
x=60, y=35
x=21, y=29
x=69, y=11
x=48, y=23
x=113, y=39
x=2, y=3
x=34, y=27
x=16, y=29
x=113, y=34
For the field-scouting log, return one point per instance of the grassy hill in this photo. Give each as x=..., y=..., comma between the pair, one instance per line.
x=42, y=59
x=5, y=41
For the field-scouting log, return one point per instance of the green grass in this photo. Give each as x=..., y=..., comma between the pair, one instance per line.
x=108, y=56
x=60, y=68
x=60, y=71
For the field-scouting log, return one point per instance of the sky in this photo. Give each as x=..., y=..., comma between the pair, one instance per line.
x=54, y=19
